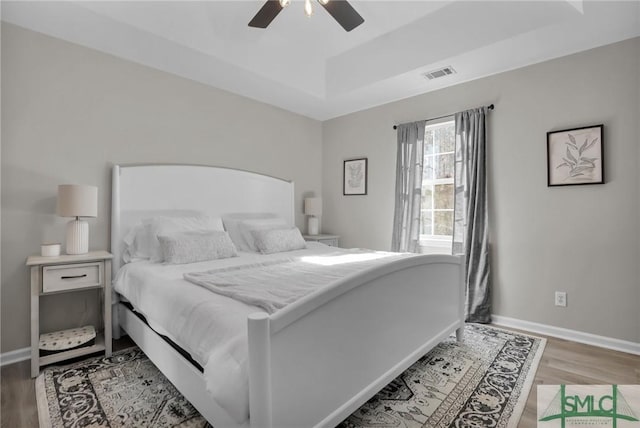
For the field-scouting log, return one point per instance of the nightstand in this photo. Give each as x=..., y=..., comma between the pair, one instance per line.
x=65, y=274
x=330, y=240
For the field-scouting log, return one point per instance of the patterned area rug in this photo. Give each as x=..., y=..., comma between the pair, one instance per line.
x=482, y=383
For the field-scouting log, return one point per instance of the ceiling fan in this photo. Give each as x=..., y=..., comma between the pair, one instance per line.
x=341, y=11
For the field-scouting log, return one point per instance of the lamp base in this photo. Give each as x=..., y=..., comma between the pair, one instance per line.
x=77, y=237
x=312, y=226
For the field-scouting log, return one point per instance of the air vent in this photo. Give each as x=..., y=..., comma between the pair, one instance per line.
x=441, y=72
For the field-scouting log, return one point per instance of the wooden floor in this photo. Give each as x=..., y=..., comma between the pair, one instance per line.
x=563, y=362
x=19, y=409
x=571, y=363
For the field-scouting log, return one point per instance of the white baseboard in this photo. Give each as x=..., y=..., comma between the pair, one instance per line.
x=15, y=356
x=534, y=327
x=565, y=333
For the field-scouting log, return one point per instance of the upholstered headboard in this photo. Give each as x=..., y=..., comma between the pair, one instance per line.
x=140, y=191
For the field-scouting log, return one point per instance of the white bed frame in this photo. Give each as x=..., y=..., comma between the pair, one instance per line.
x=316, y=361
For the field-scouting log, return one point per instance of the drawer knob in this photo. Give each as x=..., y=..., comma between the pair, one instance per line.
x=73, y=277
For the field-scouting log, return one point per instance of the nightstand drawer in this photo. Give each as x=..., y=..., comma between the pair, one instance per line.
x=71, y=276
x=333, y=242
x=326, y=239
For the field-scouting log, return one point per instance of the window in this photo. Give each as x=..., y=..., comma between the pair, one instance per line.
x=436, y=226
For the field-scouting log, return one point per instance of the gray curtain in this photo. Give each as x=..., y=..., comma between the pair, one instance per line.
x=471, y=224
x=409, y=161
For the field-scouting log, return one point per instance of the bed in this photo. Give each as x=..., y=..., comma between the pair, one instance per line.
x=310, y=364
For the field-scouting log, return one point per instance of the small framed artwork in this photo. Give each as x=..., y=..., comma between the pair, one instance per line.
x=354, y=179
x=575, y=156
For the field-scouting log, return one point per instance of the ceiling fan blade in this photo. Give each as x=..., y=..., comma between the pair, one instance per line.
x=266, y=14
x=344, y=13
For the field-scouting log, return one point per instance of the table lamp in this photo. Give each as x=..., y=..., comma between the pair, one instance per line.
x=75, y=200
x=313, y=208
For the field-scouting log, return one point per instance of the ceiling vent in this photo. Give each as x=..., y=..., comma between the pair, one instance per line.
x=441, y=72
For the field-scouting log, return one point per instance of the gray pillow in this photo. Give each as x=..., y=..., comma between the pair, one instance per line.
x=196, y=246
x=278, y=240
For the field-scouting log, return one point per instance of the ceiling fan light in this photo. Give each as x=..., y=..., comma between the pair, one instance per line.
x=308, y=9
x=285, y=3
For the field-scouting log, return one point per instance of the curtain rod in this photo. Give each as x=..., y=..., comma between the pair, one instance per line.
x=490, y=107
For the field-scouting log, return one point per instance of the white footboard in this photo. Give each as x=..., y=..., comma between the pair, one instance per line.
x=316, y=361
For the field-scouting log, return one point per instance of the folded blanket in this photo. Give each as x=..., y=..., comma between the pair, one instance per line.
x=275, y=284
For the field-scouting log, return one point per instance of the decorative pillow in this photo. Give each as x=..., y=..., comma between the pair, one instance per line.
x=194, y=246
x=240, y=225
x=169, y=225
x=278, y=240
x=247, y=228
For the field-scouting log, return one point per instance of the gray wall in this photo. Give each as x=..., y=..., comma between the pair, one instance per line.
x=637, y=55
x=69, y=113
x=581, y=239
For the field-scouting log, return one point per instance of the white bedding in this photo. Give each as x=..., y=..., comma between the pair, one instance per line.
x=210, y=327
x=272, y=285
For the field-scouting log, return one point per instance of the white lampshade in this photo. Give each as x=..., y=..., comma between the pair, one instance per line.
x=313, y=206
x=76, y=200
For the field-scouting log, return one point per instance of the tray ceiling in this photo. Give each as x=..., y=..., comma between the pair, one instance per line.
x=311, y=66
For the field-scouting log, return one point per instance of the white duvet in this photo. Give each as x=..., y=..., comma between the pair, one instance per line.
x=210, y=327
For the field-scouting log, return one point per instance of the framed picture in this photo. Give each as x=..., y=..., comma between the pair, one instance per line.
x=354, y=179
x=575, y=156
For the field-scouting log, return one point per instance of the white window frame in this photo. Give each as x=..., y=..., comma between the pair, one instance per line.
x=437, y=241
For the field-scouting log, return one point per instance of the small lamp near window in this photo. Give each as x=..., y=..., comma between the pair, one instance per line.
x=313, y=208
x=75, y=200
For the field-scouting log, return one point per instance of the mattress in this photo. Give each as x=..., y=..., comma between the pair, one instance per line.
x=210, y=327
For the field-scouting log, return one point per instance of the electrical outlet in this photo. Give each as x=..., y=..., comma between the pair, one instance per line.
x=561, y=298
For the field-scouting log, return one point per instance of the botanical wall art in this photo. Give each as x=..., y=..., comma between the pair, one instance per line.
x=355, y=177
x=575, y=156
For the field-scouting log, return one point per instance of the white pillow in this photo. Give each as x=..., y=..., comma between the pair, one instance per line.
x=196, y=246
x=278, y=240
x=168, y=225
x=137, y=243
